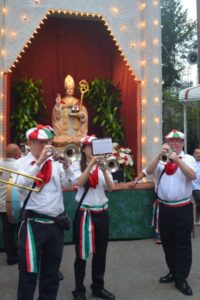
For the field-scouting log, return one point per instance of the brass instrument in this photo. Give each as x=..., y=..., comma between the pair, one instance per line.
x=164, y=157
x=70, y=153
x=108, y=162
x=10, y=182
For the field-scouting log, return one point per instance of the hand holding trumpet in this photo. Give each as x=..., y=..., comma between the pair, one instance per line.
x=167, y=154
x=100, y=161
x=107, y=163
x=44, y=155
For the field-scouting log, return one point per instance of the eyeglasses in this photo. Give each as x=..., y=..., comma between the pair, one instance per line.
x=175, y=141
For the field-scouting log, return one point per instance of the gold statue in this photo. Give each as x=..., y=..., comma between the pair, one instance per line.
x=70, y=117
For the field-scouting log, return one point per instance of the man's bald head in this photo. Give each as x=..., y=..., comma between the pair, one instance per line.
x=13, y=151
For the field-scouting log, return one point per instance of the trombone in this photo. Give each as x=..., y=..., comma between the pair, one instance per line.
x=10, y=182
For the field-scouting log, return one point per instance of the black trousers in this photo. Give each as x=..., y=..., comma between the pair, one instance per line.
x=9, y=238
x=175, y=229
x=101, y=228
x=49, y=241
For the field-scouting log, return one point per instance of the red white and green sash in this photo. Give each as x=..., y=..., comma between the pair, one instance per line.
x=155, y=215
x=87, y=232
x=31, y=253
x=175, y=203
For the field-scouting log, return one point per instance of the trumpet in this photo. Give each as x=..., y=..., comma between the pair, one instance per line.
x=70, y=153
x=10, y=181
x=164, y=157
x=108, y=162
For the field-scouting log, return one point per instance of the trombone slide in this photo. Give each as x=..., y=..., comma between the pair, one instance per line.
x=9, y=182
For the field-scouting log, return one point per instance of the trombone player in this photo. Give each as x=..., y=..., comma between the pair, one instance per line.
x=174, y=190
x=41, y=240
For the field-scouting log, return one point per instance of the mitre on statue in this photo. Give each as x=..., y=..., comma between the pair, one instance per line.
x=69, y=82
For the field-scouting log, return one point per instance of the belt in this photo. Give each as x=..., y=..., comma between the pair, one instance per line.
x=94, y=208
x=37, y=217
x=175, y=203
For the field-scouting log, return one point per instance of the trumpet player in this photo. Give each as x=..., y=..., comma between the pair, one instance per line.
x=41, y=240
x=174, y=190
x=91, y=224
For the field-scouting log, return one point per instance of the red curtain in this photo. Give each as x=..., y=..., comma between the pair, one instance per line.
x=84, y=49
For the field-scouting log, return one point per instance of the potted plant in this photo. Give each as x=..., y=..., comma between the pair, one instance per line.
x=105, y=99
x=28, y=96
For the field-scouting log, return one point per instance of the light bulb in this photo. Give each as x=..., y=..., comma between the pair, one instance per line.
x=114, y=10
x=156, y=80
x=156, y=120
x=156, y=139
x=155, y=22
x=156, y=100
x=156, y=61
x=144, y=101
x=144, y=140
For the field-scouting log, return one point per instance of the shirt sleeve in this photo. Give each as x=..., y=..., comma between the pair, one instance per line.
x=191, y=162
x=67, y=177
x=76, y=170
x=22, y=167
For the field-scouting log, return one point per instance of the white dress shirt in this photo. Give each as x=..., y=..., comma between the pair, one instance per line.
x=176, y=186
x=94, y=196
x=49, y=200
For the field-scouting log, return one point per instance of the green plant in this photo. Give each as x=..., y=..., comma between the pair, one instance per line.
x=104, y=98
x=28, y=95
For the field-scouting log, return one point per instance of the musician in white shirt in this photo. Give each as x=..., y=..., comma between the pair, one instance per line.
x=174, y=191
x=41, y=240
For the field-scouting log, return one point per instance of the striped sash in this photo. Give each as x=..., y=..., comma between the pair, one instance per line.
x=87, y=232
x=175, y=203
x=155, y=215
x=31, y=253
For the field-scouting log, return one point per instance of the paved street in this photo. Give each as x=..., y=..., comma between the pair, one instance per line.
x=133, y=269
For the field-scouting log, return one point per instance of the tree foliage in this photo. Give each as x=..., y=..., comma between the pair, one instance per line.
x=172, y=112
x=178, y=39
x=173, y=118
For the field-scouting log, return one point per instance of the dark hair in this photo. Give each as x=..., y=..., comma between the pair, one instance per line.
x=83, y=163
x=83, y=159
x=196, y=147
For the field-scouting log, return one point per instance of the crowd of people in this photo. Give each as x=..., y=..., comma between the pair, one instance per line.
x=39, y=247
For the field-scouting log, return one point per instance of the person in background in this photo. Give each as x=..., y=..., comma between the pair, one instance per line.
x=196, y=186
x=174, y=182
x=41, y=239
x=9, y=229
x=92, y=222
